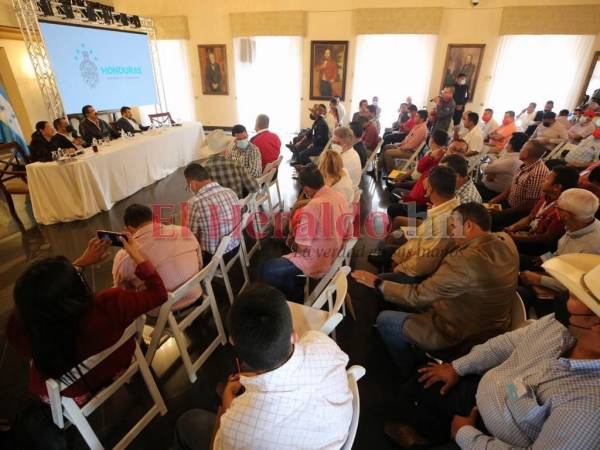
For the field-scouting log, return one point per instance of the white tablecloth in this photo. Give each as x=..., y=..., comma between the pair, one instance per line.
x=96, y=181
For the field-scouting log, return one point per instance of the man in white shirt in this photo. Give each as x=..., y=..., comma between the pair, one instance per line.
x=473, y=138
x=343, y=140
x=488, y=124
x=587, y=152
x=527, y=117
x=293, y=393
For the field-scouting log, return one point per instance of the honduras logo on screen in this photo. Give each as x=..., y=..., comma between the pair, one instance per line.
x=87, y=68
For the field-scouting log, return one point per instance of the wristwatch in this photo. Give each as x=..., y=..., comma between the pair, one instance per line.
x=378, y=285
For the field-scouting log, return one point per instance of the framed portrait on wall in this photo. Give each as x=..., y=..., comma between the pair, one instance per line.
x=328, y=61
x=213, y=69
x=463, y=58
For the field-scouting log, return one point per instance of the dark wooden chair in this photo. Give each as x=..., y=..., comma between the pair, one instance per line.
x=13, y=177
x=161, y=119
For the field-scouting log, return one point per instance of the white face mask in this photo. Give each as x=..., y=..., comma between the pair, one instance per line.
x=336, y=147
x=584, y=119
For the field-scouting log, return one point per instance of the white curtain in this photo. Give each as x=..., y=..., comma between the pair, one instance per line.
x=177, y=81
x=392, y=67
x=268, y=80
x=539, y=68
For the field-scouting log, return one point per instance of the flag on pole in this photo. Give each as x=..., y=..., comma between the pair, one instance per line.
x=10, y=130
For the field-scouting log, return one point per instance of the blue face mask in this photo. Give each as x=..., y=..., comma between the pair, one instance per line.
x=243, y=144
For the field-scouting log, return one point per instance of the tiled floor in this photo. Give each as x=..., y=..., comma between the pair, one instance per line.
x=358, y=339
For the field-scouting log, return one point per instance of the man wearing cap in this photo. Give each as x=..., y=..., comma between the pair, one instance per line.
x=582, y=128
x=225, y=171
x=550, y=132
x=537, y=387
x=313, y=143
x=587, y=152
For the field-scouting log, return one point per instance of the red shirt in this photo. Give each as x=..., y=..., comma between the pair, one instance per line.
x=424, y=166
x=269, y=145
x=370, y=135
x=546, y=220
x=111, y=312
x=408, y=125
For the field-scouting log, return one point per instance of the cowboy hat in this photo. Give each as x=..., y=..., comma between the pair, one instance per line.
x=216, y=142
x=580, y=274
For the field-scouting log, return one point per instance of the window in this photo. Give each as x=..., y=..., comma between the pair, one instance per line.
x=176, y=81
x=537, y=69
x=268, y=80
x=393, y=67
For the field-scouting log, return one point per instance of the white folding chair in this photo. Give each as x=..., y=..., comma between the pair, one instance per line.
x=306, y=318
x=555, y=151
x=345, y=255
x=519, y=314
x=355, y=373
x=66, y=408
x=275, y=182
x=372, y=161
x=240, y=255
x=248, y=205
x=167, y=321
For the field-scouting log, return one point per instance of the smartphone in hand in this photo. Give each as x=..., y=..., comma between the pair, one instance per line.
x=111, y=236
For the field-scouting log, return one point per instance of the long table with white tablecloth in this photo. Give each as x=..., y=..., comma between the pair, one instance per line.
x=94, y=182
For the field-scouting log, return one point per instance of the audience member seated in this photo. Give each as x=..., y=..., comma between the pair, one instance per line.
x=359, y=145
x=224, y=170
x=213, y=211
x=420, y=255
x=527, y=117
x=362, y=115
x=548, y=107
x=525, y=189
x=293, y=394
x=323, y=225
x=500, y=136
x=59, y=322
x=587, y=152
x=466, y=192
x=466, y=301
x=172, y=249
x=444, y=110
x=42, y=144
x=550, y=132
x=404, y=150
x=473, y=137
x=268, y=143
x=127, y=122
x=563, y=118
x=488, y=123
x=538, y=232
x=535, y=387
x=400, y=128
x=371, y=132
x=416, y=195
x=244, y=152
x=336, y=177
x=576, y=209
x=314, y=141
x=498, y=173
x=342, y=141
x=582, y=128
x=65, y=136
x=92, y=127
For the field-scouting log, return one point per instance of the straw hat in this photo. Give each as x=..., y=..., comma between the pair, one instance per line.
x=580, y=274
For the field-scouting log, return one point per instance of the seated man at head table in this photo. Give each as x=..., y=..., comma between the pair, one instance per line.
x=537, y=387
x=65, y=136
x=293, y=391
x=127, y=123
x=467, y=300
x=92, y=127
x=42, y=144
x=172, y=249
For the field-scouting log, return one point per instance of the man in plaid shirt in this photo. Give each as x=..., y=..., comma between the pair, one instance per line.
x=244, y=152
x=526, y=188
x=213, y=211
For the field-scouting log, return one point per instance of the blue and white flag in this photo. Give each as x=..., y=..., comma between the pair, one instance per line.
x=10, y=130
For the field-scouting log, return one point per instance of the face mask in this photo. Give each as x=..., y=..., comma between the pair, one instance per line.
x=243, y=144
x=486, y=117
x=584, y=119
x=547, y=124
x=313, y=117
x=562, y=314
x=596, y=133
x=506, y=122
x=461, y=82
x=336, y=147
x=69, y=129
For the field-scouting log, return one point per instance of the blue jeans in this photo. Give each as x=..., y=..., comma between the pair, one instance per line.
x=194, y=429
x=282, y=274
x=389, y=325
